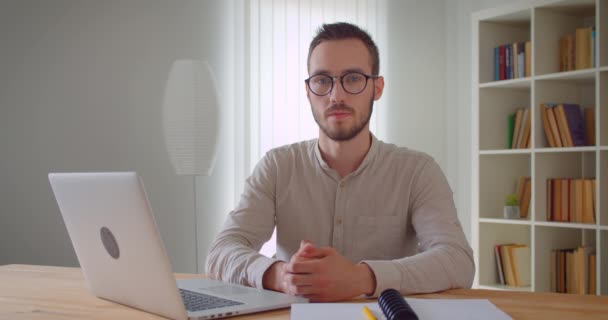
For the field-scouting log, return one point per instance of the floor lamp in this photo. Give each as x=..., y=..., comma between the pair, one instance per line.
x=191, y=123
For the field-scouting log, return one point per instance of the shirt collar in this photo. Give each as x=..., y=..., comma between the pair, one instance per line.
x=369, y=157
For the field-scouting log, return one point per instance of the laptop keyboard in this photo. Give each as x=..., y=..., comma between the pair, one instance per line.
x=196, y=301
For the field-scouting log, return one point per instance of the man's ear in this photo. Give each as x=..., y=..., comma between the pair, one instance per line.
x=378, y=87
x=307, y=91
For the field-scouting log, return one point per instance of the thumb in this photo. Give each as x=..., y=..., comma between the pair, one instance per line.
x=303, y=243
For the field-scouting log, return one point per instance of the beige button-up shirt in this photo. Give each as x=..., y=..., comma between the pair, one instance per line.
x=395, y=213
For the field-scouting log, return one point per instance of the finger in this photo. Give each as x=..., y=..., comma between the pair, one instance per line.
x=313, y=297
x=296, y=279
x=316, y=252
x=302, y=267
x=302, y=290
x=305, y=242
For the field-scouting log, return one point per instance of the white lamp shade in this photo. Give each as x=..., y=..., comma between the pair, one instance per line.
x=191, y=117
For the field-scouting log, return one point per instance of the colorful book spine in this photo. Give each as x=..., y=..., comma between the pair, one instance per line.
x=496, y=63
x=593, y=48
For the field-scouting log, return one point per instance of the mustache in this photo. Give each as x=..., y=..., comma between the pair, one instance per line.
x=338, y=108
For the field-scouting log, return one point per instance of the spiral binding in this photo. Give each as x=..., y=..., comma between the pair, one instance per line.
x=395, y=307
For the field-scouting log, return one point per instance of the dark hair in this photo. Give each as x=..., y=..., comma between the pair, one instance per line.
x=342, y=31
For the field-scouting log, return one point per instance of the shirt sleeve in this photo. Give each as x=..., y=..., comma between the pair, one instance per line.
x=233, y=255
x=445, y=259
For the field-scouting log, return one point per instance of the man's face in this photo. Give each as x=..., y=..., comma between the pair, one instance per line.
x=341, y=115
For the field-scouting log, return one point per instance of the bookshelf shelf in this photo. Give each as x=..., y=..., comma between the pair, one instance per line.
x=581, y=76
x=497, y=168
x=505, y=151
x=565, y=150
x=566, y=225
x=514, y=83
x=505, y=221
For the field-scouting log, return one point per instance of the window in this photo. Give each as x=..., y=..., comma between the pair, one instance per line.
x=280, y=32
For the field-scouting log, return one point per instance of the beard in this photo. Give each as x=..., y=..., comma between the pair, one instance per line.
x=339, y=133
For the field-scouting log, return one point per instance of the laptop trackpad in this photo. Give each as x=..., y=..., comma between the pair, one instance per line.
x=227, y=290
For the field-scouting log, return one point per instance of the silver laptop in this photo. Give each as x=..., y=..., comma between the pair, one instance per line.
x=112, y=228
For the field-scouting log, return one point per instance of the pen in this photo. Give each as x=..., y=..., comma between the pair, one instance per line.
x=368, y=313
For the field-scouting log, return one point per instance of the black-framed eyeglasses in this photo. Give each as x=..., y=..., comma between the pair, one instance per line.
x=352, y=82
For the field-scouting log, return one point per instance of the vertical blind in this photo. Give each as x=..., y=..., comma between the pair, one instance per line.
x=279, y=34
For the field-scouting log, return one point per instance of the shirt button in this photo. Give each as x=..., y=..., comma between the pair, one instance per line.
x=339, y=221
x=341, y=184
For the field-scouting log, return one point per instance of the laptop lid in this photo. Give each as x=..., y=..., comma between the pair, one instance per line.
x=112, y=228
x=116, y=240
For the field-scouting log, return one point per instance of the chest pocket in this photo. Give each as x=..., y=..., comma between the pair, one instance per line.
x=378, y=237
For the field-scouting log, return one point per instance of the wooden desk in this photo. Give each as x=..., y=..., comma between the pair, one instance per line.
x=41, y=292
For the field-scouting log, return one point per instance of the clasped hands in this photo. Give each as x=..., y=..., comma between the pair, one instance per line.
x=320, y=274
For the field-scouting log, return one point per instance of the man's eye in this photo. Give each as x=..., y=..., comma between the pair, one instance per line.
x=322, y=81
x=353, y=77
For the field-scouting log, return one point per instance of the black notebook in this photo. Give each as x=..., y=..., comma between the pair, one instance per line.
x=394, y=306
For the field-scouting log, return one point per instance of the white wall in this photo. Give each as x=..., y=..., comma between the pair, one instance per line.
x=413, y=113
x=81, y=84
x=428, y=94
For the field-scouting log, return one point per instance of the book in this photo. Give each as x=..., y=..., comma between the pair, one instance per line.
x=549, y=197
x=593, y=193
x=556, y=188
x=507, y=265
x=546, y=126
x=575, y=123
x=562, y=125
x=518, y=121
x=502, y=62
x=587, y=211
x=554, y=128
x=520, y=188
x=496, y=63
x=501, y=277
x=521, y=59
x=515, y=65
x=520, y=259
x=553, y=271
x=565, y=196
x=582, y=48
x=592, y=274
x=593, y=49
x=507, y=62
x=522, y=128
x=525, y=203
x=577, y=207
x=525, y=131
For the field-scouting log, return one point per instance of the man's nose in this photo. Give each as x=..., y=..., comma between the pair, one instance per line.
x=337, y=93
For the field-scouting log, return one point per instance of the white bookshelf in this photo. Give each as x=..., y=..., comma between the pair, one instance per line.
x=496, y=168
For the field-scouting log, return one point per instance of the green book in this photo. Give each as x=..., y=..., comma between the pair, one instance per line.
x=510, y=128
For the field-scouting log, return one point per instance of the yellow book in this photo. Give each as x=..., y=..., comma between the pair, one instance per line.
x=520, y=259
x=554, y=128
x=562, y=125
x=546, y=126
x=587, y=211
x=518, y=120
x=507, y=267
x=582, y=48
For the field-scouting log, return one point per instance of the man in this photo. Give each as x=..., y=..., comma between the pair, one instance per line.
x=354, y=215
